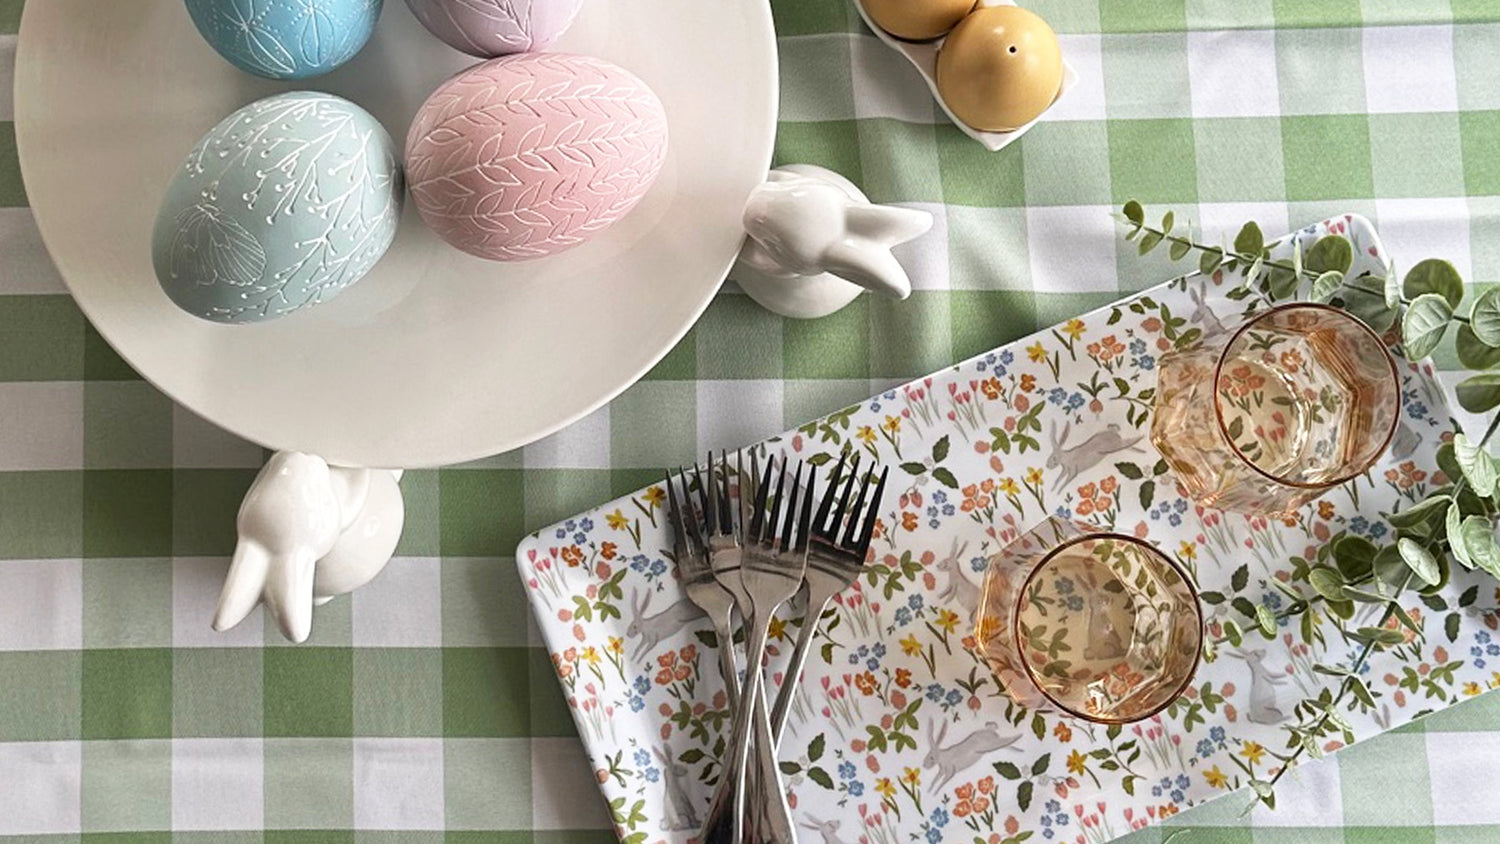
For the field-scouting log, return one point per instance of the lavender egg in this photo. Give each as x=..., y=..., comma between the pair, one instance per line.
x=490, y=28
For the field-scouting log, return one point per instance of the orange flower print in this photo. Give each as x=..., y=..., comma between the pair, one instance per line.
x=1406, y=476
x=1407, y=637
x=607, y=550
x=1325, y=510
x=572, y=555
x=1241, y=381
x=903, y=677
x=990, y=387
x=986, y=785
x=865, y=683
x=909, y=520
x=1063, y=732
x=1028, y=382
x=1291, y=361
x=1108, y=485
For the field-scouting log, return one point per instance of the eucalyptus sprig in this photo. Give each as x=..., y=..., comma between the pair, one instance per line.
x=1454, y=524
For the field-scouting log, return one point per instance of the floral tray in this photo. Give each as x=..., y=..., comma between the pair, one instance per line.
x=899, y=732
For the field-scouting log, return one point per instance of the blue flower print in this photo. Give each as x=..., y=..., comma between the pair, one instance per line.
x=846, y=770
x=873, y=664
x=642, y=758
x=1174, y=520
x=1176, y=796
x=1146, y=362
x=915, y=602
x=586, y=524
x=570, y=525
x=637, y=703
x=1377, y=530
x=948, y=510
x=1359, y=524
x=580, y=538
x=1180, y=505
x=856, y=788
x=875, y=406
x=1063, y=512
x=934, y=692
x=939, y=497
x=903, y=616
x=562, y=533
x=1075, y=603
x=1205, y=748
x=940, y=817
x=934, y=835
x=1137, y=346
x=1063, y=585
x=1007, y=357
x=652, y=775
x=1182, y=782
x=1076, y=401
x=1057, y=396
x=658, y=568
x=954, y=697
x=1053, y=807
x=1216, y=734
x=878, y=650
x=976, y=564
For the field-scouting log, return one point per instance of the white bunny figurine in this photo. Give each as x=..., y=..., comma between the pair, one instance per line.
x=815, y=241
x=307, y=532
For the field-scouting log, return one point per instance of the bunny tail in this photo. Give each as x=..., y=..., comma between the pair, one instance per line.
x=243, y=586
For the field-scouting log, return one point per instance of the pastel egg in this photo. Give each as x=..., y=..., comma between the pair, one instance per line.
x=286, y=39
x=917, y=20
x=490, y=28
x=285, y=203
x=1000, y=68
x=529, y=155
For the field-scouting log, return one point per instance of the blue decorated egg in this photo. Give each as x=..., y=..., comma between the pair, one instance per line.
x=285, y=203
x=286, y=39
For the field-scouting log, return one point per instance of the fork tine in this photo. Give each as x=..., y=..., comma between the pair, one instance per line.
x=692, y=518
x=820, y=520
x=745, y=493
x=711, y=510
x=726, y=501
x=804, y=522
x=869, y=529
x=680, y=545
x=703, y=506
x=838, y=516
x=762, y=489
x=790, y=522
x=776, y=505
x=859, y=506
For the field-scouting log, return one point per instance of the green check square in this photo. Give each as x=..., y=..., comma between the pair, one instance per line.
x=1068, y=16
x=653, y=424
x=118, y=838
x=910, y=338
x=453, y=836
x=903, y=158
x=405, y=836
x=972, y=175
x=836, y=346
x=101, y=362
x=41, y=514
x=1053, y=308
x=809, y=17
x=421, y=532
x=550, y=714
x=1416, y=155
x=737, y=338
x=393, y=692
x=469, y=767
x=1320, y=71
x=679, y=364
x=10, y=16
x=217, y=692
x=309, y=785
x=1484, y=243
x=828, y=143
x=127, y=693
x=1136, y=147
x=1369, y=768
x=126, y=785
x=576, y=836
x=484, y=602
x=1146, y=74
x=485, y=692
x=41, y=695
x=1476, y=65
x=625, y=482
x=41, y=339
x=127, y=602
x=1477, y=131
x=988, y=249
x=310, y=836
x=1475, y=10
x=1239, y=159
x=127, y=425
x=1142, y=15
x=555, y=494
x=219, y=837
x=1385, y=834
x=1405, y=12
x=1476, y=834
x=1327, y=157
x=308, y=691
x=1067, y=163
x=815, y=399
x=816, y=78
x=127, y=513
x=482, y=512
x=12, y=189
x=1324, y=13
x=1241, y=14
x=984, y=319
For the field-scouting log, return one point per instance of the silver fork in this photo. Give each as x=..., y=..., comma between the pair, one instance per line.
x=690, y=545
x=832, y=565
x=773, y=561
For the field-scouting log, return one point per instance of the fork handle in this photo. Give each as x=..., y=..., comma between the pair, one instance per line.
x=817, y=601
x=724, y=632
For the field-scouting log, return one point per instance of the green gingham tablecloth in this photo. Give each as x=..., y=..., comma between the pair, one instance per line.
x=423, y=709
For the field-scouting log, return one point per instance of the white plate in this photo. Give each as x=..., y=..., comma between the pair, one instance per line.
x=435, y=357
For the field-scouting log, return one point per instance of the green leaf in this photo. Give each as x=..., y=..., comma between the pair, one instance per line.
x=1369, y=307
x=692, y=756
x=1486, y=316
x=1039, y=767
x=1422, y=328
x=1429, y=509
x=1477, y=466
x=1149, y=241
x=1240, y=578
x=1450, y=626
x=1435, y=276
x=1452, y=527
x=1266, y=620
x=1327, y=284
x=1130, y=470
x=1419, y=560
x=1167, y=221
x=1008, y=770
x=1297, y=258
x=1331, y=252
x=1479, y=541
x=1023, y=795
x=1039, y=726
x=1405, y=618
x=1380, y=635
x=1327, y=582
x=815, y=748
x=1232, y=632
x=1479, y=393
x=914, y=468
x=788, y=768
x=1354, y=556
x=1252, y=274
x=1179, y=249
x=1474, y=353
x=1148, y=490
x=1392, y=287
x=1283, y=282
x=1210, y=260
x=945, y=477
x=940, y=450
x=1361, y=691
x=1390, y=569
x=1134, y=212
x=820, y=776
x=1250, y=241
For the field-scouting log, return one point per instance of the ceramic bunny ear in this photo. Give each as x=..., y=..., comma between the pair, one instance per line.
x=865, y=256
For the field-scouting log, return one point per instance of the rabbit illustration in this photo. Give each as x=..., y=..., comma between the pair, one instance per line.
x=1202, y=315
x=964, y=753
x=648, y=631
x=1262, y=708
x=308, y=532
x=960, y=591
x=679, y=814
x=1408, y=437
x=828, y=830
x=815, y=240
x=1072, y=460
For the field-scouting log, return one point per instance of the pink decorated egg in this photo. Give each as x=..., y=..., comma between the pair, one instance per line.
x=529, y=155
x=487, y=28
